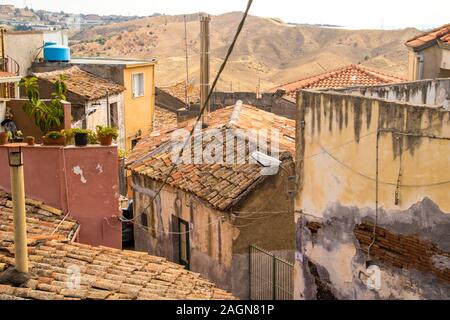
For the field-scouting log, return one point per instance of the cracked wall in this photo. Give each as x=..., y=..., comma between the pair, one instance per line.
x=336, y=152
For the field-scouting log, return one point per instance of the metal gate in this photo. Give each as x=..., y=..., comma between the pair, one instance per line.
x=270, y=276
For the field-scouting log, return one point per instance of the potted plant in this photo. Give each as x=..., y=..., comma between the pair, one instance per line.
x=92, y=136
x=69, y=134
x=54, y=138
x=81, y=137
x=49, y=116
x=106, y=135
x=4, y=138
x=18, y=136
x=30, y=140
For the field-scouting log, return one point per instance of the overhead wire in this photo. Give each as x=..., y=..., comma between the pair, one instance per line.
x=204, y=107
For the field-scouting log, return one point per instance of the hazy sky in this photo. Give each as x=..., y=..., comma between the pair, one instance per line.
x=350, y=13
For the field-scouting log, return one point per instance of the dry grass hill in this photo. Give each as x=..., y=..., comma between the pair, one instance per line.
x=268, y=49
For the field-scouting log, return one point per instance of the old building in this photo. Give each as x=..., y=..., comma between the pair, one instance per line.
x=138, y=78
x=62, y=269
x=372, y=209
x=23, y=48
x=95, y=101
x=210, y=212
x=352, y=75
x=429, y=56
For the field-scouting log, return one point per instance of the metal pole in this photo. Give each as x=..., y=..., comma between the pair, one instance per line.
x=20, y=223
x=274, y=278
x=204, y=60
x=108, y=109
x=2, y=32
x=187, y=63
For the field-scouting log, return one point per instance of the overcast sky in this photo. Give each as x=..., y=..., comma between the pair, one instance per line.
x=350, y=13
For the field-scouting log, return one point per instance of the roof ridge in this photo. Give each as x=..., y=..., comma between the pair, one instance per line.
x=428, y=32
x=333, y=73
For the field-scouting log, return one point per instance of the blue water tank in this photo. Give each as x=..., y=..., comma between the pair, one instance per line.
x=56, y=53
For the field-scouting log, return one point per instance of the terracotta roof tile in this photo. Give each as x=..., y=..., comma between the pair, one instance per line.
x=4, y=74
x=441, y=34
x=220, y=184
x=83, y=83
x=41, y=223
x=179, y=91
x=164, y=119
x=351, y=75
x=105, y=273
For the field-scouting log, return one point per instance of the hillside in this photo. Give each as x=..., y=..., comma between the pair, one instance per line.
x=268, y=48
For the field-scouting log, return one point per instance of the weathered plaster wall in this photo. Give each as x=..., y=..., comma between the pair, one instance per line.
x=430, y=92
x=336, y=148
x=220, y=240
x=82, y=182
x=211, y=237
x=432, y=63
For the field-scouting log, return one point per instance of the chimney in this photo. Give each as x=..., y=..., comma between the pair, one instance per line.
x=204, y=61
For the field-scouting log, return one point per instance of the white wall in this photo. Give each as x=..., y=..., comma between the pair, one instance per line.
x=100, y=117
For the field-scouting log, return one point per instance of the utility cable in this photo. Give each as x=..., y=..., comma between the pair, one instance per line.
x=203, y=109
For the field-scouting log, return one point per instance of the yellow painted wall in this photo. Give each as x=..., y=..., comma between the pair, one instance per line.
x=348, y=175
x=139, y=112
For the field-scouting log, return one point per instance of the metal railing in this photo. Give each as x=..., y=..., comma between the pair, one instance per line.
x=10, y=65
x=270, y=276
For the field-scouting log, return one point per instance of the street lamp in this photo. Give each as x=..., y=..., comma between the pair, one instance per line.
x=18, y=203
x=15, y=157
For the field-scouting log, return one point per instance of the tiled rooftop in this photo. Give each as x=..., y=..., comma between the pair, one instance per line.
x=441, y=34
x=164, y=119
x=83, y=83
x=221, y=185
x=105, y=273
x=348, y=76
x=43, y=222
x=179, y=91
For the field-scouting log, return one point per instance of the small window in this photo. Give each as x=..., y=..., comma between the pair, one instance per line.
x=138, y=85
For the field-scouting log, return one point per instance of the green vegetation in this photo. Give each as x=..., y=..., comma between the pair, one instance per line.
x=107, y=131
x=46, y=116
x=54, y=135
x=92, y=137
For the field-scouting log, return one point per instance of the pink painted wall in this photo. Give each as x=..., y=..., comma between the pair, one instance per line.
x=81, y=181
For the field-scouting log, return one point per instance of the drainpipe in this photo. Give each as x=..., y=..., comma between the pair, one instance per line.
x=18, y=203
x=420, y=66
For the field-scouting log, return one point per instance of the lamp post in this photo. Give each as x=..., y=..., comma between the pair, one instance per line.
x=18, y=199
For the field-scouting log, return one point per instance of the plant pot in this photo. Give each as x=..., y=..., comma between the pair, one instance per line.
x=105, y=140
x=3, y=138
x=18, y=139
x=81, y=139
x=30, y=141
x=54, y=142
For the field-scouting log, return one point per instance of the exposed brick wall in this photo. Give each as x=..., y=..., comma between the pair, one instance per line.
x=314, y=227
x=401, y=251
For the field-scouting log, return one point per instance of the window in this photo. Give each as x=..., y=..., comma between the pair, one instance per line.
x=181, y=240
x=138, y=85
x=113, y=115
